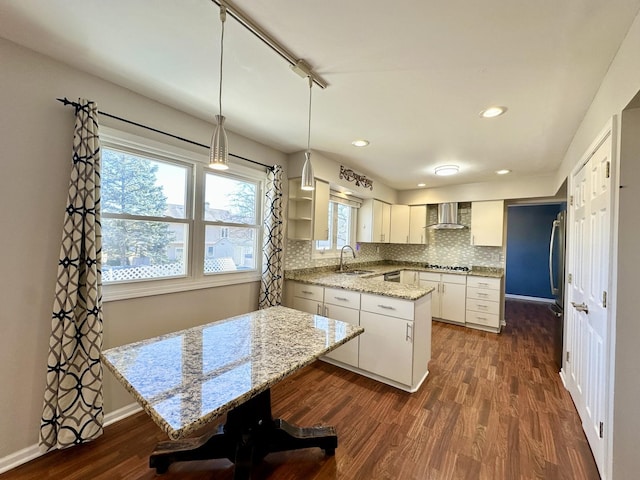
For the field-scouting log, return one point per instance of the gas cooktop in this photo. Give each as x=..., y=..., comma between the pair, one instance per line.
x=455, y=268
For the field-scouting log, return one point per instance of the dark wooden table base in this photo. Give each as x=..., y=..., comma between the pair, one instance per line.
x=248, y=436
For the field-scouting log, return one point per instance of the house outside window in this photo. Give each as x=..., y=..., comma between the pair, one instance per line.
x=170, y=223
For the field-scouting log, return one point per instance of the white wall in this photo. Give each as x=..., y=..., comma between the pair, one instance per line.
x=626, y=420
x=329, y=170
x=618, y=88
x=36, y=135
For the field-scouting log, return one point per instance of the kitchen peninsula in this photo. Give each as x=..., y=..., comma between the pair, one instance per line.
x=396, y=345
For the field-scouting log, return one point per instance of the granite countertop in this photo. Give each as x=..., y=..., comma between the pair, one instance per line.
x=368, y=283
x=186, y=379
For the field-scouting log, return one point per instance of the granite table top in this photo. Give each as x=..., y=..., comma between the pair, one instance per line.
x=186, y=379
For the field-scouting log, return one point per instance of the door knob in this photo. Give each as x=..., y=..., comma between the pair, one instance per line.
x=581, y=307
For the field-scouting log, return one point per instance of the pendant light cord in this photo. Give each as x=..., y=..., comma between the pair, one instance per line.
x=223, y=17
x=309, y=129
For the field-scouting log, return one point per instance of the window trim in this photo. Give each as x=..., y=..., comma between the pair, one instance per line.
x=335, y=253
x=195, y=278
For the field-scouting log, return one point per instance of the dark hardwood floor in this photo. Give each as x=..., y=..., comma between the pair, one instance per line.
x=493, y=407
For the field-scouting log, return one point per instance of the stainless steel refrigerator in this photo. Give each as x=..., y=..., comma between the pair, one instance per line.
x=556, y=279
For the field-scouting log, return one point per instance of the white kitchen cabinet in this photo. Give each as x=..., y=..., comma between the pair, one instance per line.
x=395, y=347
x=409, y=277
x=335, y=303
x=386, y=347
x=308, y=211
x=487, y=223
x=396, y=343
x=408, y=224
x=343, y=305
x=374, y=222
x=417, y=224
x=448, y=297
x=308, y=298
x=400, y=224
x=484, y=305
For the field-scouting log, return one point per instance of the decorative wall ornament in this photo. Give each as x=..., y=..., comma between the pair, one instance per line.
x=351, y=176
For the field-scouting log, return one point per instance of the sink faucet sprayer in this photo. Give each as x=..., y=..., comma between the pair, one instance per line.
x=341, y=252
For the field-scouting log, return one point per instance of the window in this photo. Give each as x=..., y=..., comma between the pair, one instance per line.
x=145, y=217
x=169, y=223
x=342, y=219
x=231, y=223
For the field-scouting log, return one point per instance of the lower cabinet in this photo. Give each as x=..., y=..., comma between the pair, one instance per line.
x=449, y=294
x=396, y=343
x=484, y=308
x=395, y=347
x=386, y=347
x=345, y=306
x=334, y=303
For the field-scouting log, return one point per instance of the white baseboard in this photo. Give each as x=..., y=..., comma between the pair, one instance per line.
x=562, y=377
x=529, y=299
x=30, y=453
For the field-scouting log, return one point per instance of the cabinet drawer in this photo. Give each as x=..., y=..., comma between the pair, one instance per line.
x=452, y=278
x=343, y=298
x=486, y=319
x=483, y=282
x=483, y=306
x=432, y=277
x=311, y=292
x=391, y=307
x=483, y=294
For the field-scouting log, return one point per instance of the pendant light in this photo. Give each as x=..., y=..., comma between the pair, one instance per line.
x=308, y=181
x=219, y=151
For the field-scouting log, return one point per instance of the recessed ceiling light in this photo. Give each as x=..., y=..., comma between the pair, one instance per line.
x=504, y=171
x=445, y=170
x=493, y=112
x=422, y=184
x=360, y=143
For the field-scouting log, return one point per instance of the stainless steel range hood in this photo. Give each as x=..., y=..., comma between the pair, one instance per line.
x=447, y=217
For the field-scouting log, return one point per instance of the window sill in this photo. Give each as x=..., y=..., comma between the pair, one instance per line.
x=114, y=292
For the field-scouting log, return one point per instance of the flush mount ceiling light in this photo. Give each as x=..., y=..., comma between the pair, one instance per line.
x=493, y=112
x=307, y=168
x=360, y=143
x=504, y=171
x=446, y=170
x=219, y=151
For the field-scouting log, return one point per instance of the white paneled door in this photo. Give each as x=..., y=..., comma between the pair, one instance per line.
x=586, y=343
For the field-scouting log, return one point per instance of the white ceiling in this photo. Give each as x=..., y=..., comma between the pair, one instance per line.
x=410, y=76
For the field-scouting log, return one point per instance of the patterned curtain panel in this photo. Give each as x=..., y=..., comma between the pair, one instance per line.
x=72, y=412
x=271, y=285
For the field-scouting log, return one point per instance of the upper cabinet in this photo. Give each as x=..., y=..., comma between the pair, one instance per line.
x=308, y=211
x=399, y=224
x=374, y=222
x=417, y=224
x=487, y=223
x=408, y=223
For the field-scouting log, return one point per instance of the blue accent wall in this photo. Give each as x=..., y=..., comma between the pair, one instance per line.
x=527, y=262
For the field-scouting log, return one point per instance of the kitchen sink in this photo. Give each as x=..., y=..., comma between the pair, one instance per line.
x=356, y=272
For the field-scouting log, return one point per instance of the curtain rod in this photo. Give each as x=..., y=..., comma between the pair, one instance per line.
x=267, y=39
x=76, y=105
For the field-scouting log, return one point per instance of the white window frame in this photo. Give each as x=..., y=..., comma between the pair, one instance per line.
x=198, y=161
x=333, y=220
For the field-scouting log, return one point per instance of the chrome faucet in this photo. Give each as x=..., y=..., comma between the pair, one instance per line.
x=341, y=260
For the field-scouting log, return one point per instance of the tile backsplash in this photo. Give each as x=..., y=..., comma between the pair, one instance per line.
x=444, y=247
